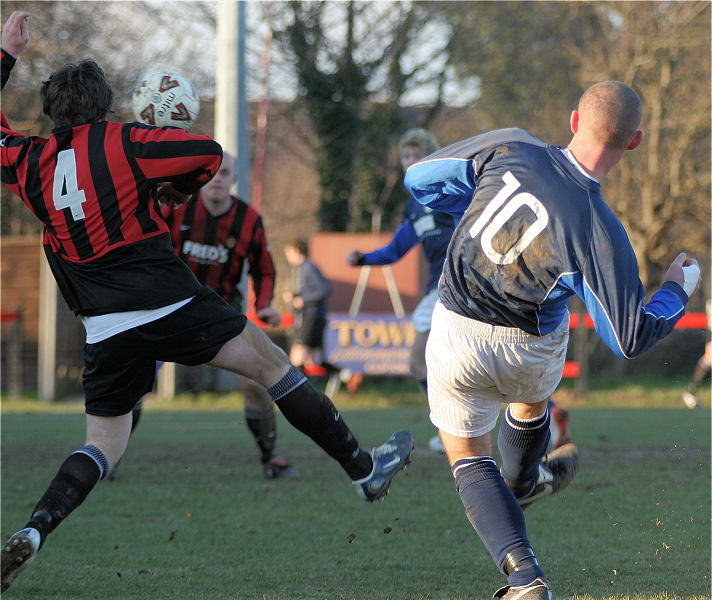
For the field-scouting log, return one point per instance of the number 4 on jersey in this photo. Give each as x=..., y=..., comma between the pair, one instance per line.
x=65, y=190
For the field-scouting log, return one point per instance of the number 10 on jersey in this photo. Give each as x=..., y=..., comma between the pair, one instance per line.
x=491, y=221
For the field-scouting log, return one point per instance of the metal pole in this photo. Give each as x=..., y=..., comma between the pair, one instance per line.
x=243, y=127
x=47, y=363
x=261, y=135
x=226, y=86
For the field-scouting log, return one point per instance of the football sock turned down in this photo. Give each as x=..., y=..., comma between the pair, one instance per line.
x=522, y=445
x=76, y=477
x=496, y=516
x=263, y=427
x=312, y=413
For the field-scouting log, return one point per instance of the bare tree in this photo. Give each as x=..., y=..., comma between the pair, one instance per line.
x=661, y=49
x=349, y=60
x=523, y=71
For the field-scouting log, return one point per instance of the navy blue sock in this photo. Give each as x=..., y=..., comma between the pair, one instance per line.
x=522, y=445
x=494, y=513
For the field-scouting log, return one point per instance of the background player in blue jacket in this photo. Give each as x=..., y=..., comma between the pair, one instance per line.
x=534, y=231
x=432, y=230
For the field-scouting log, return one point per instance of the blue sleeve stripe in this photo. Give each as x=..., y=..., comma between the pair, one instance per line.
x=444, y=184
x=602, y=321
x=665, y=306
x=672, y=317
x=601, y=318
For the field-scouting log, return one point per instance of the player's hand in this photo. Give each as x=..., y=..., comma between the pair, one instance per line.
x=269, y=315
x=168, y=195
x=355, y=258
x=298, y=302
x=676, y=273
x=15, y=34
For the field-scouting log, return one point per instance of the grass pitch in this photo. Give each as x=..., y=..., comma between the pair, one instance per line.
x=190, y=515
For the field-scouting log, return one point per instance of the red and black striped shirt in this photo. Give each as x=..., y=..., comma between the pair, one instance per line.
x=93, y=187
x=215, y=247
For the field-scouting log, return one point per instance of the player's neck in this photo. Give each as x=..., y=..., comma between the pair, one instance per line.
x=217, y=207
x=595, y=160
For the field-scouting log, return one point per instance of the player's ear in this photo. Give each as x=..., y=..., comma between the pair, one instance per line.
x=637, y=138
x=574, y=121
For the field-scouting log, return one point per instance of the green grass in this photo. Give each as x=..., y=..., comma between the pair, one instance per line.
x=190, y=515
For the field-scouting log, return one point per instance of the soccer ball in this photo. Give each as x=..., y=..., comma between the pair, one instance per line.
x=165, y=99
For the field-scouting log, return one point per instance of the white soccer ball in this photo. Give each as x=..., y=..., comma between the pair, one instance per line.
x=165, y=99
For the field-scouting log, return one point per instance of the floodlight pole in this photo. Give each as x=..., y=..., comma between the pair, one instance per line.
x=231, y=127
x=231, y=115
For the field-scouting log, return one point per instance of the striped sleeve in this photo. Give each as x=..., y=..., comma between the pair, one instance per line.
x=171, y=154
x=261, y=267
x=13, y=144
x=7, y=62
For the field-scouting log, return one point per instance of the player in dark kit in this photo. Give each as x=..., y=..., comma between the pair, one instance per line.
x=534, y=231
x=214, y=233
x=96, y=186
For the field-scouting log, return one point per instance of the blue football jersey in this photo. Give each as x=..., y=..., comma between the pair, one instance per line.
x=431, y=228
x=534, y=230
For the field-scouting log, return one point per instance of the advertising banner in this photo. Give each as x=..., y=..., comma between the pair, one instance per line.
x=370, y=343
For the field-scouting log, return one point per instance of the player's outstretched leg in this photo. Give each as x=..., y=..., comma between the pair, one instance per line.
x=312, y=413
x=136, y=412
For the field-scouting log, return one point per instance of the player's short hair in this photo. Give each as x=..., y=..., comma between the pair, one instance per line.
x=419, y=138
x=300, y=245
x=77, y=94
x=611, y=111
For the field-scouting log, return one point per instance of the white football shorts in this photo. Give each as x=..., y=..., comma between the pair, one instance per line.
x=423, y=313
x=473, y=367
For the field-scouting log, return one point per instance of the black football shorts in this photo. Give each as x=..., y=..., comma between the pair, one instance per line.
x=309, y=330
x=119, y=370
